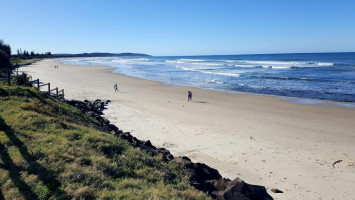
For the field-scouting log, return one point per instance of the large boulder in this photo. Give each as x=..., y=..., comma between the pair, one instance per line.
x=205, y=172
x=220, y=184
x=184, y=161
x=239, y=190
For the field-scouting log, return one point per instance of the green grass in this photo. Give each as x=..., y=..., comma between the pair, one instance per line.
x=50, y=150
x=22, y=61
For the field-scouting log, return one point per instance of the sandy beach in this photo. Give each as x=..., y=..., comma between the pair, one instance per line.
x=264, y=140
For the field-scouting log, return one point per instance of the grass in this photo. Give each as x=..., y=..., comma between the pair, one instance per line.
x=50, y=150
x=22, y=61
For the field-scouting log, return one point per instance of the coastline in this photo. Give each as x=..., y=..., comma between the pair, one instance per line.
x=264, y=140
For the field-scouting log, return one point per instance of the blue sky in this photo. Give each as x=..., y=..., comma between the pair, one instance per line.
x=191, y=27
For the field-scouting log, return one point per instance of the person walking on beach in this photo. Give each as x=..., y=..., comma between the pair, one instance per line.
x=189, y=96
x=115, y=87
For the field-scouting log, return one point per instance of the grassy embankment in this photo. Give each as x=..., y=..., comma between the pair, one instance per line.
x=49, y=149
x=22, y=61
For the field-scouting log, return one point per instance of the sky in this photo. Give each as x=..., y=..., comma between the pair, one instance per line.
x=179, y=27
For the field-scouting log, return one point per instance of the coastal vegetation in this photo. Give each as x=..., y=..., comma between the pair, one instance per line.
x=50, y=150
x=8, y=60
x=24, y=57
x=5, y=53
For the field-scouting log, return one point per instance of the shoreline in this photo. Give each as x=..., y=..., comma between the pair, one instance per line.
x=292, y=99
x=264, y=140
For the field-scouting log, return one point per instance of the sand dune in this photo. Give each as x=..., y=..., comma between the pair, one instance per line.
x=264, y=140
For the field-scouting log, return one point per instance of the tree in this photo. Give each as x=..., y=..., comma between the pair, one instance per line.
x=4, y=60
x=5, y=53
x=5, y=48
x=25, y=54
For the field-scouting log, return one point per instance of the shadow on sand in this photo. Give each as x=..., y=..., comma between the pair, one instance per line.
x=198, y=101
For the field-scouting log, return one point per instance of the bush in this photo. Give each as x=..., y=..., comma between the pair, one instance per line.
x=4, y=60
x=22, y=79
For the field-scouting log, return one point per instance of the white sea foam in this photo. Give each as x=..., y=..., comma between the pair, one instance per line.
x=146, y=59
x=170, y=61
x=209, y=64
x=278, y=67
x=217, y=82
x=272, y=62
x=244, y=66
x=209, y=72
x=228, y=74
x=279, y=64
x=221, y=73
x=325, y=64
x=192, y=60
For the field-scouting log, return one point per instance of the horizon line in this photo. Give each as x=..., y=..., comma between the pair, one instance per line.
x=243, y=54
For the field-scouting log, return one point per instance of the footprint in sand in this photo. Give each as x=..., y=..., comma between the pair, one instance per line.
x=168, y=145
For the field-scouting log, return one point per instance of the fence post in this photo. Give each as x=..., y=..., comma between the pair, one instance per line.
x=24, y=78
x=56, y=91
x=63, y=94
x=8, y=77
x=49, y=88
x=38, y=84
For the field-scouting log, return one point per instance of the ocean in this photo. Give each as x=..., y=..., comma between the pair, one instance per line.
x=325, y=76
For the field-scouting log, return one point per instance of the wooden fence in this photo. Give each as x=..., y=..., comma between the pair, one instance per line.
x=59, y=94
x=6, y=74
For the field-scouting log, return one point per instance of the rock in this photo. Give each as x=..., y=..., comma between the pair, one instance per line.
x=203, y=186
x=238, y=189
x=148, y=144
x=163, y=151
x=113, y=127
x=205, y=172
x=136, y=143
x=169, y=157
x=99, y=118
x=166, y=157
x=102, y=106
x=91, y=113
x=183, y=161
x=274, y=190
x=220, y=184
x=106, y=121
x=126, y=136
x=186, y=158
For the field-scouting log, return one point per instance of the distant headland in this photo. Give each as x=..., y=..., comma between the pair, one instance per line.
x=96, y=54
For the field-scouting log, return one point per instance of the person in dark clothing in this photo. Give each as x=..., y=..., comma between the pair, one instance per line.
x=115, y=87
x=189, y=96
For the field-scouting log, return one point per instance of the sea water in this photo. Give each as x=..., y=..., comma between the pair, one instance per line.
x=326, y=76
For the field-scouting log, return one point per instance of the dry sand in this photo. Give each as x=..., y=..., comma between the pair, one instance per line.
x=264, y=140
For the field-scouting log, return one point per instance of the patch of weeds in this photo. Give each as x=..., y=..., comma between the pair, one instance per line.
x=72, y=136
x=42, y=191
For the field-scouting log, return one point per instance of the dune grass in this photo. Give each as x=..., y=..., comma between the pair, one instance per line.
x=50, y=150
x=22, y=61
